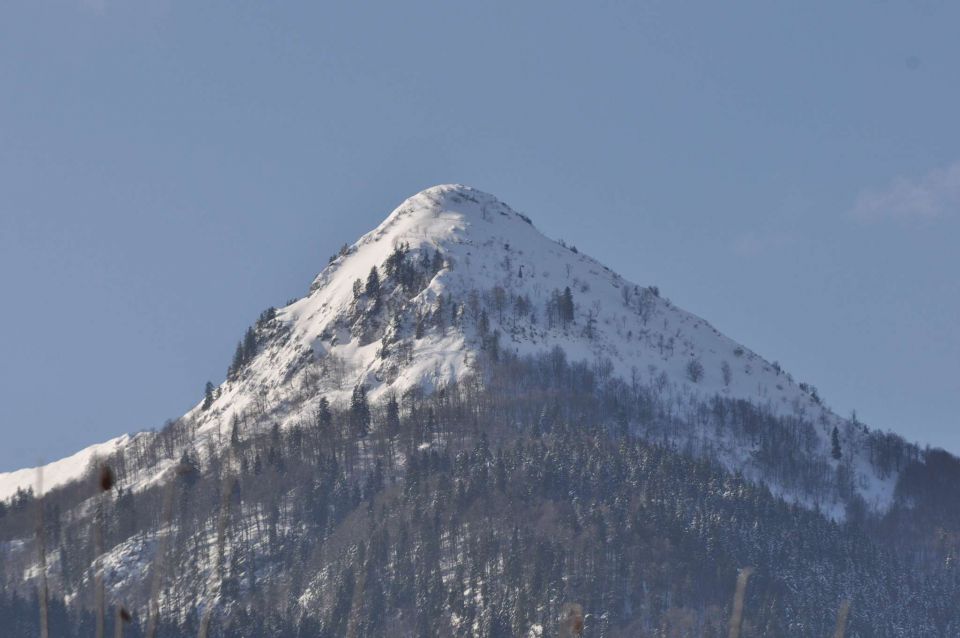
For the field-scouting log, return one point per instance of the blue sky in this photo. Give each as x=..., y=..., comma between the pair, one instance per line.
x=169, y=169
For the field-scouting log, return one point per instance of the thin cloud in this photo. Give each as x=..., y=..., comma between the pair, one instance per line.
x=932, y=196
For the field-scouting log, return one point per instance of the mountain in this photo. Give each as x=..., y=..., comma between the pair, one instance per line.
x=452, y=255
x=454, y=360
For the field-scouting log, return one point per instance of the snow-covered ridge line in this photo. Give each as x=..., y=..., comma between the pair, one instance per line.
x=59, y=472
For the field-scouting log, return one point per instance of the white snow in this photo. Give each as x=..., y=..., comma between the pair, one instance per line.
x=58, y=472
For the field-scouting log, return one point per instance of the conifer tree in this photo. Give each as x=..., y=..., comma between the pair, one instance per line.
x=360, y=411
x=208, y=396
x=235, y=431
x=324, y=416
x=835, y=444
x=372, y=287
x=393, y=415
x=566, y=306
x=249, y=346
x=238, y=360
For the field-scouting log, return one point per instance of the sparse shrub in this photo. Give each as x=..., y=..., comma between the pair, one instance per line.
x=727, y=373
x=694, y=370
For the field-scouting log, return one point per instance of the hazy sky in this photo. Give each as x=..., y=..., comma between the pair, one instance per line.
x=169, y=169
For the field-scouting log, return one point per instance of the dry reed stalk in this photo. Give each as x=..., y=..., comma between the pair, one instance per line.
x=42, y=550
x=122, y=617
x=105, y=481
x=97, y=570
x=571, y=620
x=153, y=609
x=221, y=535
x=736, y=618
x=842, y=619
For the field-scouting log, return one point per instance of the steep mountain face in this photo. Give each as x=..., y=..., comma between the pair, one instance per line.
x=459, y=271
x=458, y=252
x=455, y=362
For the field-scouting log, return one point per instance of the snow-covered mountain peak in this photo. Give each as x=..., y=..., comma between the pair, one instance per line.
x=455, y=200
x=453, y=277
x=468, y=258
x=437, y=216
